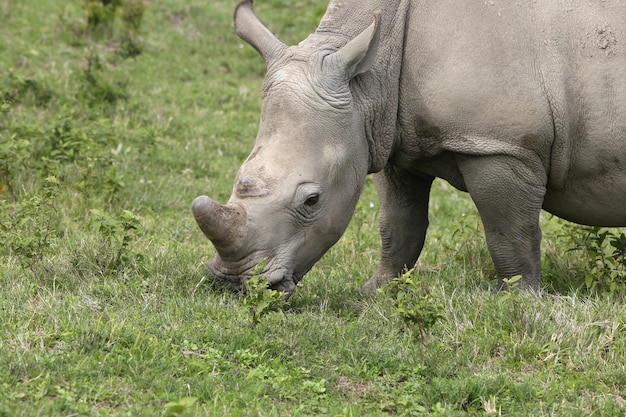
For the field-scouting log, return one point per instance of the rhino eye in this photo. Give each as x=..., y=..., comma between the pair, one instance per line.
x=312, y=200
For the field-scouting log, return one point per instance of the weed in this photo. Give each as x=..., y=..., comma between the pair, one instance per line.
x=510, y=285
x=176, y=408
x=316, y=387
x=117, y=233
x=101, y=18
x=64, y=145
x=96, y=88
x=259, y=298
x=5, y=106
x=605, y=252
x=131, y=13
x=101, y=15
x=31, y=228
x=14, y=153
x=414, y=305
x=513, y=300
x=16, y=89
x=128, y=48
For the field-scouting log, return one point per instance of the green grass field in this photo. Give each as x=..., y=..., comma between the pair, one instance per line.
x=109, y=130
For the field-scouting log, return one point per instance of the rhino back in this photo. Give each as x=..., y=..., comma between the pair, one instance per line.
x=540, y=78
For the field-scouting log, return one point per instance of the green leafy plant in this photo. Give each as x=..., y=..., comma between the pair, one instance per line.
x=113, y=183
x=513, y=300
x=96, y=88
x=316, y=387
x=259, y=298
x=64, y=144
x=176, y=408
x=605, y=252
x=414, y=304
x=101, y=18
x=510, y=285
x=101, y=15
x=131, y=13
x=30, y=227
x=14, y=153
x=19, y=89
x=117, y=232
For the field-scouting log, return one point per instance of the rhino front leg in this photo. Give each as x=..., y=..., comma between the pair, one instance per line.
x=509, y=194
x=403, y=222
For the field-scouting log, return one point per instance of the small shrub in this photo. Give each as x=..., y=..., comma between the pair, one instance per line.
x=117, y=234
x=101, y=15
x=260, y=299
x=129, y=48
x=605, y=252
x=63, y=144
x=96, y=89
x=414, y=305
x=30, y=227
x=513, y=300
x=510, y=285
x=16, y=89
x=101, y=18
x=131, y=14
x=176, y=408
x=14, y=153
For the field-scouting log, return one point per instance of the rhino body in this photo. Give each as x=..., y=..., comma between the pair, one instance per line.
x=520, y=103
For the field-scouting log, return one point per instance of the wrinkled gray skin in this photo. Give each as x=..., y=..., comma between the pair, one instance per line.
x=522, y=104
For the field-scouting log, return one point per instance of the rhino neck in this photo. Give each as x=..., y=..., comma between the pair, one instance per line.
x=375, y=92
x=350, y=17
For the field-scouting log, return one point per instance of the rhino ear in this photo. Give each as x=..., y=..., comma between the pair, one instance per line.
x=250, y=29
x=358, y=55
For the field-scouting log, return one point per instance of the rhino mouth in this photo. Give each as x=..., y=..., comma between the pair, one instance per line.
x=280, y=279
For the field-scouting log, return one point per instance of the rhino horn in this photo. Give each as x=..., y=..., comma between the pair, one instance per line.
x=222, y=224
x=250, y=29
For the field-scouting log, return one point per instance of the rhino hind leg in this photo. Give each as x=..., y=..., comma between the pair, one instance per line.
x=509, y=194
x=403, y=223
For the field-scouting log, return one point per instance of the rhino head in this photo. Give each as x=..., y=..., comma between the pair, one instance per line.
x=294, y=195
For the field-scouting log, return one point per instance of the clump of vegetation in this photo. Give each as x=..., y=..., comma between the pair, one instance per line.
x=101, y=15
x=18, y=89
x=97, y=89
x=177, y=408
x=259, y=298
x=132, y=14
x=14, y=152
x=414, y=304
x=605, y=255
x=117, y=232
x=30, y=227
x=101, y=21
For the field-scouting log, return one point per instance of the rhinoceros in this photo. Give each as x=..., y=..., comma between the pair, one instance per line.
x=520, y=103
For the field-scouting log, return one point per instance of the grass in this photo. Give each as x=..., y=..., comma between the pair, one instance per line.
x=104, y=306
